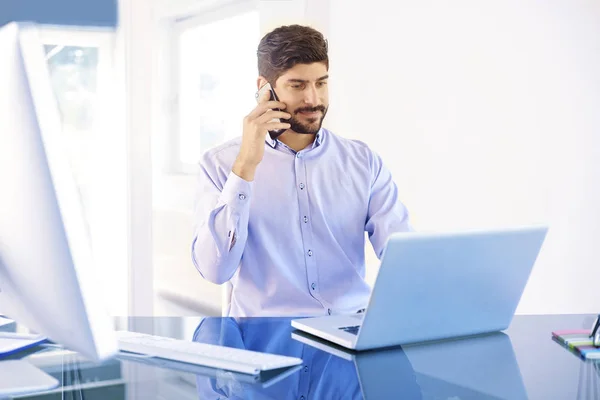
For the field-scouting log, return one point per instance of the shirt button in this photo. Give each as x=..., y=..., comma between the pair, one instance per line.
x=242, y=196
x=306, y=369
x=301, y=397
x=301, y=186
x=329, y=311
x=309, y=253
x=298, y=155
x=305, y=219
x=313, y=286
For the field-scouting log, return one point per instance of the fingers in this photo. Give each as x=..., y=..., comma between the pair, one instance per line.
x=263, y=107
x=271, y=126
x=270, y=114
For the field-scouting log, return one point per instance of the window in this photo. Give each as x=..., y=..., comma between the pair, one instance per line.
x=204, y=86
x=73, y=72
x=79, y=62
x=82, y=75
x=215, y=78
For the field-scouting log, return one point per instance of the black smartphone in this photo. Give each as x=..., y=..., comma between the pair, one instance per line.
x=273, y=97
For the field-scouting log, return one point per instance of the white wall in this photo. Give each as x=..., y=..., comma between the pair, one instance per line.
x=488, y=115
x=484, y=114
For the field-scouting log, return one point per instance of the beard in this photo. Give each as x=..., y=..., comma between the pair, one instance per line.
x=312, y=126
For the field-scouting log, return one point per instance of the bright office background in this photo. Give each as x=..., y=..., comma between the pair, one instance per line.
x=485, y=112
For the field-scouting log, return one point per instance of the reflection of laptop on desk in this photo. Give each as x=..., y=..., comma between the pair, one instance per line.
x=484, y=364
x=382, y=374
x=480, y=367
x=434, y=286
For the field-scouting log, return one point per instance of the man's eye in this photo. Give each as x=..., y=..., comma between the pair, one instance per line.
x=320, y=84
x=296, y=86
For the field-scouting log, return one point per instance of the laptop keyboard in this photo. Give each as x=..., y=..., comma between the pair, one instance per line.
x=351, y=329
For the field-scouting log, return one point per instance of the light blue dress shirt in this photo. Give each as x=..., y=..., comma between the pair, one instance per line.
x=292, y=240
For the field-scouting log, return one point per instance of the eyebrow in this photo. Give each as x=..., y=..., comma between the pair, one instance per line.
x=305, y=81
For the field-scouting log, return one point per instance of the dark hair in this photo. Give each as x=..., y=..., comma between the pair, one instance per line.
x=286, y=46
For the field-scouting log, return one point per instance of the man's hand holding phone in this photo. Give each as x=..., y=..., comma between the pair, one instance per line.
x=256, y=126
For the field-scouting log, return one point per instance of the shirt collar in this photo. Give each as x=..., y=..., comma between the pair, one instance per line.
x=318, y=140
x=271, y=142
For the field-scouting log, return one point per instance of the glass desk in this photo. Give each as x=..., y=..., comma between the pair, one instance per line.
x=522, y=362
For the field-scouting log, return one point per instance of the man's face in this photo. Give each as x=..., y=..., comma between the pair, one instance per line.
x=304, y=89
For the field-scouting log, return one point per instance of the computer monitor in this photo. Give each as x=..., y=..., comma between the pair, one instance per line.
x=46, y=266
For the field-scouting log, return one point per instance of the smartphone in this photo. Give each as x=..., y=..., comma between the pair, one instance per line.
x=275, y=133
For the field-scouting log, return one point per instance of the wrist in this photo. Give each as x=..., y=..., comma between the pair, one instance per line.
x=244, y=169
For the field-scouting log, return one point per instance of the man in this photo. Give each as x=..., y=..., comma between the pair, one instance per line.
x=284, y=219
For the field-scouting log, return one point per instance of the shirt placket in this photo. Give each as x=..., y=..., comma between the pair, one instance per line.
x=305, y=373
x=306, y=228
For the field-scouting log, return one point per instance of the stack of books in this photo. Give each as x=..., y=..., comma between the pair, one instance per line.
x=578, y=342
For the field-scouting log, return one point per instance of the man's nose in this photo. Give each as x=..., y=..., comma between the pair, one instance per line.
x=311, y=97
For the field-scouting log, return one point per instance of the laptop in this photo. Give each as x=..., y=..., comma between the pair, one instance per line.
x=434, y=286
x=478, y=367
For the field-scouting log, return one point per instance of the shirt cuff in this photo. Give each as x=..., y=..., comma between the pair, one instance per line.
x=236, y=193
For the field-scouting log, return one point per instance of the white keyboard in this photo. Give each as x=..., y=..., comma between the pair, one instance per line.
x=228, y=358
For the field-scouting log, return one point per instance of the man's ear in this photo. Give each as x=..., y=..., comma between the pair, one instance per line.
x=261, y=81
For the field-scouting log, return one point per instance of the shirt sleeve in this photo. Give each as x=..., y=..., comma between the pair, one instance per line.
x=221, y=223
x=386, y=213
